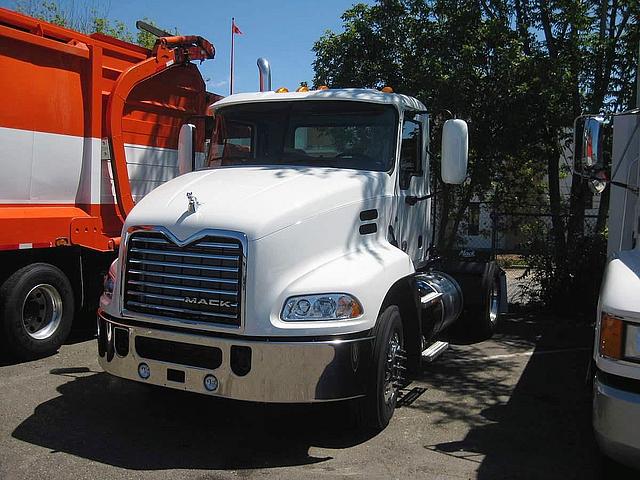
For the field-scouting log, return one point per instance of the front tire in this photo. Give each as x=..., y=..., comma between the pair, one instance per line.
x=376, y=409
x=36, y=310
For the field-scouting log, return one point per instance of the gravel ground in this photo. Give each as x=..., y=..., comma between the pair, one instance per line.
x=515, y=406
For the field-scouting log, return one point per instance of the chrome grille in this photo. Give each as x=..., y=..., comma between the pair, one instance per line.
x=200, y=281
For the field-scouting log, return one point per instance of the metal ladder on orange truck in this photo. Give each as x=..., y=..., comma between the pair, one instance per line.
x=88, y=125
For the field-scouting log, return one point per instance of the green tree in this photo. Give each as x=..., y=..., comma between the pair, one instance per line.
x=88, y=16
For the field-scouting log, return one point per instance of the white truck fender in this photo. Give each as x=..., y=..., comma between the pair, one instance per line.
x=368, y=274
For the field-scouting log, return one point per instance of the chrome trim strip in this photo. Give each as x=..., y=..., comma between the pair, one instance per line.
x=178, y=322
x=183, y=277
x=182, y=287
x=184, y=254
x=201, y=244
x=217, y=245
x=159, y=296
x=182, y=310
x=185, y=265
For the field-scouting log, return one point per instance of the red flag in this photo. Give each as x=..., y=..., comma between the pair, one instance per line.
x=234, y=28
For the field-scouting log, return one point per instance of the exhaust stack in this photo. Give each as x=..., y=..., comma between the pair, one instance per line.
x=265, y=74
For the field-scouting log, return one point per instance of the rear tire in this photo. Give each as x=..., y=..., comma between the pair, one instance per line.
x=375, y=410
x=480, y=284
x=487, y=314
x=36, y=311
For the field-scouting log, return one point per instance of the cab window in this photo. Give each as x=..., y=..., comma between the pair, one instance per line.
x=410, y=152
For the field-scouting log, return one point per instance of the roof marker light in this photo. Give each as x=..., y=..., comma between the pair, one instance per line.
x=282, y=90
x=387, y=89
x=323, y=87
x=302, y=88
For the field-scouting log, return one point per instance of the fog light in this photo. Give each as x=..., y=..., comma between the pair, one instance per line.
x=211, y=383
x=144, y=371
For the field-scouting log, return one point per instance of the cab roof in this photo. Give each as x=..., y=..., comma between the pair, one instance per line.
x=401, y=102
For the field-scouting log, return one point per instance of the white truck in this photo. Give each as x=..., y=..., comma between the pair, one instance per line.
x=616, y=356
x=298, y=266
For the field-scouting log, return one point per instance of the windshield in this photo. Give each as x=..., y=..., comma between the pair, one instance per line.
x=342, y=134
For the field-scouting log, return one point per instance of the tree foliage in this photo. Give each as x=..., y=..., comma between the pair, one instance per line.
x=86, y=16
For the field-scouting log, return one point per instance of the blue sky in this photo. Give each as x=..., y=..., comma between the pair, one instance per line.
x=282, y=31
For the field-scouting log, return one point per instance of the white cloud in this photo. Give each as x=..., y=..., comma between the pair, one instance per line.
x=219, y=84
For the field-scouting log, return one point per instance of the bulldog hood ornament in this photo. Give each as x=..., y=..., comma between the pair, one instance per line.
x=193, y=202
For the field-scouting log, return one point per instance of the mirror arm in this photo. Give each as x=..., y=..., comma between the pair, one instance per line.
x=631, y=188
x=412, y=199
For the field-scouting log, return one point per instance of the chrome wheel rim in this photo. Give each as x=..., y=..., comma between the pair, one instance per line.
x=392, y=368
x=42, y=311
x=494, y=303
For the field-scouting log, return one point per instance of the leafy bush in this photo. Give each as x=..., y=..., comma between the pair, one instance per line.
x=566, y=283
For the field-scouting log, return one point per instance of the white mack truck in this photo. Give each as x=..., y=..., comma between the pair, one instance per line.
x=297, y=266
x=616, y=355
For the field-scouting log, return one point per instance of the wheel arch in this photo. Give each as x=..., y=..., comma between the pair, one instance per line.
x=79, y=265
x=403, y=294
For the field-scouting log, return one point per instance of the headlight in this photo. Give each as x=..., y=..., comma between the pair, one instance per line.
x=329, y=306
x=110, y=280
x=619, y=339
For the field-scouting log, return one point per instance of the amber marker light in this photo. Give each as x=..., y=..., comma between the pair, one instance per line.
x=282, y=90
x=387, y=90
x=323, y=87
x=302, y=88
x=611, y=329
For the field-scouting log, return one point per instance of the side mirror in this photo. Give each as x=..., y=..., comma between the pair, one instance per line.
x=591, y=141
x=455, y=151
x=185, y=148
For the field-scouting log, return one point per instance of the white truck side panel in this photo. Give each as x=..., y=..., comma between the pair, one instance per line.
x=49, y=168
x=624, y=169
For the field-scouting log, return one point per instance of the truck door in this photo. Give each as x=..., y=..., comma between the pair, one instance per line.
x=411, y=228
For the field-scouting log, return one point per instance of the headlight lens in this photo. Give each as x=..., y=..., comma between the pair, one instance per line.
x=632, y=342
x=330, y=306
x=110, y=280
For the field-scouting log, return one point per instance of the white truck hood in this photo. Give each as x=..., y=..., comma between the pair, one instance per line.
x=255, y=201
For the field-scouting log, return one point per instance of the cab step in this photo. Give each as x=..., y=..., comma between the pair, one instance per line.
x=434, y=350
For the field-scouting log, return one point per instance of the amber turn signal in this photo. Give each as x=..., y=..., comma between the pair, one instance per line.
x=611, y=329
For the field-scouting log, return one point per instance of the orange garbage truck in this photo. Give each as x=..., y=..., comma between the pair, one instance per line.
x=89, y=124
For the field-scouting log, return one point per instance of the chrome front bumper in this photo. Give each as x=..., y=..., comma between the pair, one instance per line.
x=616, y=415
x=290, y=371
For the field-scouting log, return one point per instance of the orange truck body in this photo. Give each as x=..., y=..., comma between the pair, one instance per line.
x=56, y=184
x=88, y=125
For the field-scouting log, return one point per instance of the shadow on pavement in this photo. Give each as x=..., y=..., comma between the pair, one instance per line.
x=135, y=426
x=544, y=428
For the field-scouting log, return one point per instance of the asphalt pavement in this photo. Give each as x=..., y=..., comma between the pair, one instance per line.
x=514, y=407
